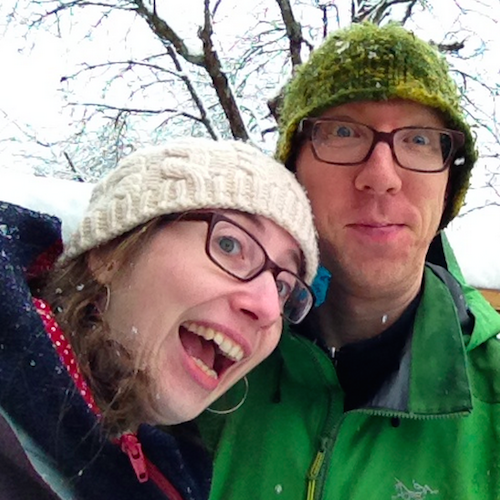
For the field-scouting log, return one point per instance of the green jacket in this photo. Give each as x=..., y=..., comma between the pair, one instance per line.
x=432, y=432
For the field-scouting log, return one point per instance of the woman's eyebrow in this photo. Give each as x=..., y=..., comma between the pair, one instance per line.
x=258, y=223
x=255, y=221
x=296, y=257
x=291, y=260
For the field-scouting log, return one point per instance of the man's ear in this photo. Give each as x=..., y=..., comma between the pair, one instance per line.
x=447, y=193
x=448, y=188
x=101, y=265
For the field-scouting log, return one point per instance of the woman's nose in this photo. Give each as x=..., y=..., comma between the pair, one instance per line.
x=259, y=299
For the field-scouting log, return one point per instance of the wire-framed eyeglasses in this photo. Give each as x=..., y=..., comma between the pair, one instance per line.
x=237, y=252
x=345, y=142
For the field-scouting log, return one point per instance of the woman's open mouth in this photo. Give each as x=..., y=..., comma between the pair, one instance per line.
x=212, y=351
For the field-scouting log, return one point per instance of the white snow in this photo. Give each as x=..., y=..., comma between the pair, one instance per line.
x=475, y=237
x=65, y=199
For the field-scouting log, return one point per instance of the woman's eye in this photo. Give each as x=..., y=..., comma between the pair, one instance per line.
x=284, y=289
x=229, y=245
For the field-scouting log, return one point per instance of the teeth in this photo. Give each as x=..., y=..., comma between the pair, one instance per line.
x=235, y=352
x=209, y=333
x=205, y=368
x=227, y=346
x=218, y=338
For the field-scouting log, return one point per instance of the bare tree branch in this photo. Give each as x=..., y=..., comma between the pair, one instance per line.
x=293, y=31
x=66, y=6
x=204, y=117
x=450, y=47
x=376, y=12
x=142, y=111
x=324, y=6
x=409, y=11
x=165, y=33
x=77, y=174
x=220, y=81
x=128, y=65
x=221, y=86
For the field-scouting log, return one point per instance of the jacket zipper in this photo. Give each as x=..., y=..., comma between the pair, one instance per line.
x=132, y=447
x=316, y=476
x=162, y=482
x=144, y=469
x=315, y=469
x=129, y=443
x=316, y=472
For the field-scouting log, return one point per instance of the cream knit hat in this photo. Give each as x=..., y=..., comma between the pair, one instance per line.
x=191, y=174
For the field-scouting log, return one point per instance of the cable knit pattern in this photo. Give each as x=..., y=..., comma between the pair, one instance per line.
x=193, y=174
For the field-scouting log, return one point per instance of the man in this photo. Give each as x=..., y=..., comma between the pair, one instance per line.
x=391, y=388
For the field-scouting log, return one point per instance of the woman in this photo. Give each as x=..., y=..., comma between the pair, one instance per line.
x=173, y=287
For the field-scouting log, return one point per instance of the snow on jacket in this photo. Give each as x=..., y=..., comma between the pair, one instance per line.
x=431, y=432
x=44, y=415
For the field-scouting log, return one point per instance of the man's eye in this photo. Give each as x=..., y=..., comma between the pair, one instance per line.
x=343, y=131
x=336, y=131
x=420, y=140
x=229, y=245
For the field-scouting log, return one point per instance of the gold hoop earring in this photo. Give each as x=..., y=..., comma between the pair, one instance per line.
x=108, y=299
x=234, y=408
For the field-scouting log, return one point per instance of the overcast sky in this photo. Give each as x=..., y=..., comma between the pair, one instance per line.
x=30, y=97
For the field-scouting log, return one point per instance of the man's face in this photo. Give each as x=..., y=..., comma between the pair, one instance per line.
x=375, y=220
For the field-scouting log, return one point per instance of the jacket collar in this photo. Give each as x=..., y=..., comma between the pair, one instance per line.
x=438, y=380
x=432, y=378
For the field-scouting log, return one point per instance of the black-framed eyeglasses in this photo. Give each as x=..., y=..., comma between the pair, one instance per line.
x=345, y=142
x=234, y=250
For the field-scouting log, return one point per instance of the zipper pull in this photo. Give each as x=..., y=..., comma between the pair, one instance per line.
x=313, y=473
x=132, y=447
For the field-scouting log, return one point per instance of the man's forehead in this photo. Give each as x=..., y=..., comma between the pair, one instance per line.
x=418, y=113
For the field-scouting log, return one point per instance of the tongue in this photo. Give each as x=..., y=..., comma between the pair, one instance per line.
x=198, y=347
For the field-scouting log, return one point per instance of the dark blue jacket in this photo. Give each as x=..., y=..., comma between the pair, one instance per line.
x=59, y=434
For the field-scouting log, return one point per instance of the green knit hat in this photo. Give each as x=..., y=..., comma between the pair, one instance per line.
x=366, y=62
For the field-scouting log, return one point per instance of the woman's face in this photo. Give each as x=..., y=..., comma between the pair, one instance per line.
x=195, y=329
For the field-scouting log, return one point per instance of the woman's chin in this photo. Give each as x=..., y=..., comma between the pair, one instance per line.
x=175, y=412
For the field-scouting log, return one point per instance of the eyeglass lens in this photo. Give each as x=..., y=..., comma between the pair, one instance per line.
x=344, y=142
x=239, y=254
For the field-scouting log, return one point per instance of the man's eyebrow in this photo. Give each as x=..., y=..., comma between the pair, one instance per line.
x=418, y=122
x=338, y=117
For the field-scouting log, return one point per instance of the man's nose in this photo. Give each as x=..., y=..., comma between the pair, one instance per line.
x=380, y=173
x=259, y=300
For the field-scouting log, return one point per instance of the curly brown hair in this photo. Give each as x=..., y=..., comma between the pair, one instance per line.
x=117, y=384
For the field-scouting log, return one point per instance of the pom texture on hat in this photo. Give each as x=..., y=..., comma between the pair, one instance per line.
x=366, y=62
x=192, y=174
